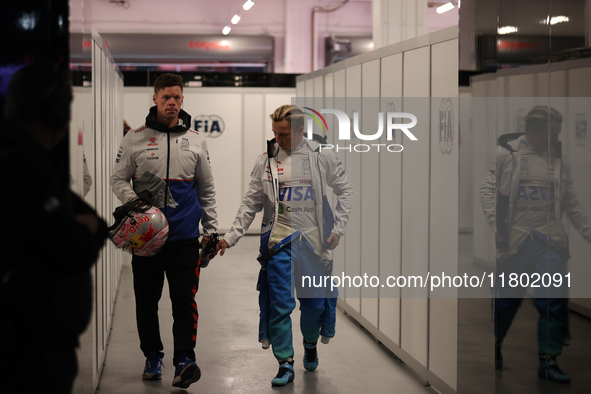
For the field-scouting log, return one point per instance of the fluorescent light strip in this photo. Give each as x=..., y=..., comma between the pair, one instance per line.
x=235, y=19
x=248, y=5
x=444, y=8
x=507, y=29
x=554, y=20
x=226, y=30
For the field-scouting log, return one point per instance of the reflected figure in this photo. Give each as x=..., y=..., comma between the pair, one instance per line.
x=524, y=197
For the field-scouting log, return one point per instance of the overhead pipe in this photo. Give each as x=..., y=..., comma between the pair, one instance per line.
x=314, y=33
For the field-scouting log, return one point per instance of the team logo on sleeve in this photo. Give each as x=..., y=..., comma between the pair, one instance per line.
x=118, y=155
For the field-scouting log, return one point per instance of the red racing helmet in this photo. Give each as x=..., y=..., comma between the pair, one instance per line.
x=140, y=229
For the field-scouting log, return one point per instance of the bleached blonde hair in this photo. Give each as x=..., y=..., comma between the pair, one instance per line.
x=293, y=114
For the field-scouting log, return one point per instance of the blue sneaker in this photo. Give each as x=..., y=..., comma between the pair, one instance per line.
x=310, y=356
x=153, y=368
x=549, y=370
x=186, y=373
x=285, y=374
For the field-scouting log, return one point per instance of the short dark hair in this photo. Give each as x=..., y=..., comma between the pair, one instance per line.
x=538, y=117
x=166, y=81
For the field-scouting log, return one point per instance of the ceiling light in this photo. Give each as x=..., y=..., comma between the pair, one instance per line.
x=554, y=20
x=235, y=19
x=507, y=29
x=226, y=30
x=248, y=5
x=28, y=21
x=444, y=8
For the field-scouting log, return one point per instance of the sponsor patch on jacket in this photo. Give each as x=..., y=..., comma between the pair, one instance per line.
x=185, y=146
x=298, y=193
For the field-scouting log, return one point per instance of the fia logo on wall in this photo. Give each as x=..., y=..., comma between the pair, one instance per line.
x=212, y=126
x=446, y=126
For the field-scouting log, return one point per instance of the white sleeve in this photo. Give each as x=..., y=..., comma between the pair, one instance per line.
x=123, y=171
x=572, y=206
x=336, y=177
x=251, y=204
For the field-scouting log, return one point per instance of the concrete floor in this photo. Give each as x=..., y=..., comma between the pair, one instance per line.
x=230, y=358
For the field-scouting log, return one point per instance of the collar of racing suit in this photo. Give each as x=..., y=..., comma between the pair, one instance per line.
x=183, y=125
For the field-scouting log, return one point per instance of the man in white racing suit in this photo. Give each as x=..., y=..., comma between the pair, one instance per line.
x=289, y=184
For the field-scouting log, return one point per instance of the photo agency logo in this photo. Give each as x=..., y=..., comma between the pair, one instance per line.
x=393, y=122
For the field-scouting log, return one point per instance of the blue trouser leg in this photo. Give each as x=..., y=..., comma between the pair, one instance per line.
x=552, y=325
x=311, y=318
x=535, y=256
x=281, y=303
x=505, y=311
x=311, y=297
x=264, y=307
x=553, y=320
x=284, y=271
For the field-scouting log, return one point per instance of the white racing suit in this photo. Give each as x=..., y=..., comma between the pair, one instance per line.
x=263, y=195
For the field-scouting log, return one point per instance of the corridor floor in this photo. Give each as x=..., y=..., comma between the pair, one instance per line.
x=228, y=353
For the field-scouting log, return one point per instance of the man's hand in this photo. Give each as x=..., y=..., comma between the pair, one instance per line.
x=221, y=247
x=333, y=240
x=204, y=241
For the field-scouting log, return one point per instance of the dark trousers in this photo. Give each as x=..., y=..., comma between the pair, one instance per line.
x=179, y=260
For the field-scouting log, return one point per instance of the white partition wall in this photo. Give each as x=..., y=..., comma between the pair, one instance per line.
x=443, y=206
x=352, y=245
x=338, y=83
x=415, y=201
x=96, y=130
x=390, y=231
x=404, y=218
x=370, y=183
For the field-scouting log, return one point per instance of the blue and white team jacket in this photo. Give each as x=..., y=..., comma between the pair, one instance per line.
x=154, y=157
